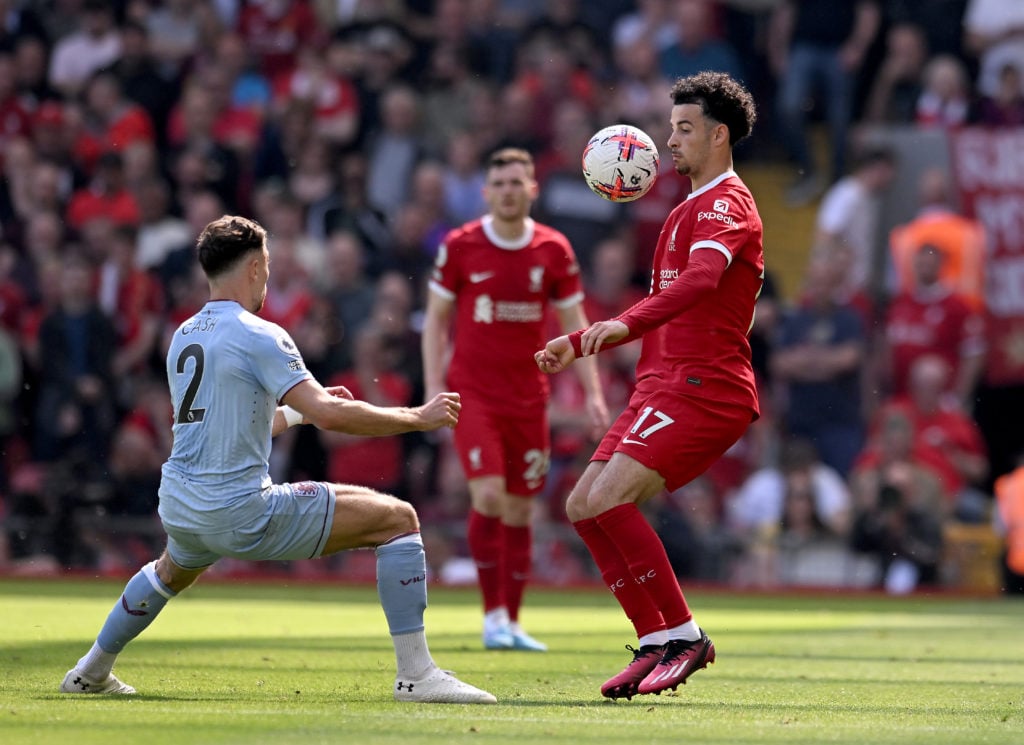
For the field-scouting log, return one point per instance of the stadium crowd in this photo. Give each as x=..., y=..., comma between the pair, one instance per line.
x=356, y=130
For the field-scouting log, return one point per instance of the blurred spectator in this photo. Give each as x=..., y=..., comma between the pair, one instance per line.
x=930, y=318
x=160, y=231
x=463, y=177
x=205, y=112
x=649, y=22
x=174, y=30
x=448, y=95
x=93, y=45
x=850, y=212
x=961, y=239
x=289, y=295
x=31, y=64
x=698, y=45
x=20, y=168
x=75, y=414
x=551, y=80
x=641, y=86
x=13, y=297
x=941, y=21
x=276, y=30
x=492, y=43
x=348, y=291
x=897, y=509
x=897, y=86
x=282, y=213
x=816, y=365
x=15, y=119
x=53, y=137
x=817, y=49
x=347, y=209
x=394, y=150
x=133, y=299
x=428, y=192
x=141, y=444
x=45, y=234
x=945, y=437
x=142, y=80
x=1005, y=107
x=199, y=154
x=250, y=89
x=312, y=175
x=561, y=24
x=945, y=100
x=1009, y=520
x=333, y=99
x=758, y=506
x=111, y=122
x=412, y=249
x=994, y=34
x=20, y=21
x=507, y=119
x=105, y=196
x=387, y=55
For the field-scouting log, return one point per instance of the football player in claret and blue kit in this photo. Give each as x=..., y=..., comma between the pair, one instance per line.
x=236, y=381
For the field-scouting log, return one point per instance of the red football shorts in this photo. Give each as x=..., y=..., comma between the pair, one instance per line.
x=680, y=437
x=517, y=448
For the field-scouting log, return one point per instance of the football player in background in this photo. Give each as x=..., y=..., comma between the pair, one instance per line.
x=695, y=393
x=495, y=278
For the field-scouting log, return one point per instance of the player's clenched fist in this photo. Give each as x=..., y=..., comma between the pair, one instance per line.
x=441, y=411
x=556, y=355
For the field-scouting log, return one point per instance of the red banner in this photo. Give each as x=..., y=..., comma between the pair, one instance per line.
x=988, y=168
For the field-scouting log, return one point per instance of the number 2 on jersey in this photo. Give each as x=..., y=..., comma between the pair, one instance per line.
x=186, y=414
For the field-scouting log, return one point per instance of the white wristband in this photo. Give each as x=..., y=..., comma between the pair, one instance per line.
x=291, y=416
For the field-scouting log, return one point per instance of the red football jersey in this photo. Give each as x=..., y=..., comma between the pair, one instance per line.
x=502, y=291
x=934, y=321
x=704, y=351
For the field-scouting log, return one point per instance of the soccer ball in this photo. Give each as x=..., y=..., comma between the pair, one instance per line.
x=620, y=163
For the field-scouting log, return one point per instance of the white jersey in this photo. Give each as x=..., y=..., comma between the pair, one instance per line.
x=227, y=371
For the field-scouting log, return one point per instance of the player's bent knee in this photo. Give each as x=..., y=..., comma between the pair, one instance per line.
x=406, y=518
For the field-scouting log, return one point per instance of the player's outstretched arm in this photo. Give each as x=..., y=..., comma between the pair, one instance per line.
x=286, y=416
x=338, y=413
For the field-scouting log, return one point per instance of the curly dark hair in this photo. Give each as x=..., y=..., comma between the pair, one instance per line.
x=722, y=98
x=226, y=240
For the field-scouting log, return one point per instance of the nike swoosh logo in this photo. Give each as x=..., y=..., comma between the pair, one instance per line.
x=633, y=442
x=476, y=277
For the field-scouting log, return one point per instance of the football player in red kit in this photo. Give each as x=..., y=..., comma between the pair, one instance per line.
x=695, y=392
x=495, y=278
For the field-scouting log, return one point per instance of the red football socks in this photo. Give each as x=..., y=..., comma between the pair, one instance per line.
x=644, y=554
x=484, y=535
x=516, y=568
x=637, y=604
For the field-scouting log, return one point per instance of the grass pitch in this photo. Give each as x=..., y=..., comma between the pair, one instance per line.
x=251, y=664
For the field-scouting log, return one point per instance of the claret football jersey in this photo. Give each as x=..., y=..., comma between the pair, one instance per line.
x=501, y=291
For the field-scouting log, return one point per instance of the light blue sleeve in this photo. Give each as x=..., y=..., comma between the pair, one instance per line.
x=276, y=360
